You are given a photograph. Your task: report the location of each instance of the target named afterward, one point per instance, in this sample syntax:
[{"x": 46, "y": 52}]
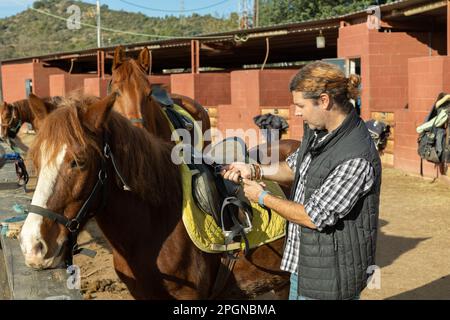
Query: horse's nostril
[{"x": 39, "y": 248}]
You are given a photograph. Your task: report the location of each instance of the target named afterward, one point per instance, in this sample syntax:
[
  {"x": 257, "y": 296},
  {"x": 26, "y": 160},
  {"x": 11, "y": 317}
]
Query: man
[{"x": 336, "y": 173}]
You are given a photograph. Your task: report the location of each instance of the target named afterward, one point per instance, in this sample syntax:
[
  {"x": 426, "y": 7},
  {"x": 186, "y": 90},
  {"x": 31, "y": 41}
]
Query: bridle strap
[
  {"x": 48, "y": 214},
  {"x": 74, "y": 224},
  {"x": 109, "y": 155},
  {"x": 137, "y": 120},
  {"x": 15, "y": 115}
]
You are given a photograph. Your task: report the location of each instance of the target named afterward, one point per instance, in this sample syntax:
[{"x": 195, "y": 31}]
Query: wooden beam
[
  {"x": 5, "y": 293},
  {"x": 195, "y": 56},
  {"x": 100, "y": 64}
]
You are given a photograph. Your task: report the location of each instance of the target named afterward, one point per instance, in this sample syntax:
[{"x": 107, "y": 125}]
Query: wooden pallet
[{"x": 17, "y": 281}]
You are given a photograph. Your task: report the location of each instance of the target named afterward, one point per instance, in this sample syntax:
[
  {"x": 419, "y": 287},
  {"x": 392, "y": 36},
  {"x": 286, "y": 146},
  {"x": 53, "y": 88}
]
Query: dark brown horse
[
  {"x": 14, "y": 115},
  {"x": 153, "y": 254},
  {"x": 135, "y": 101}
]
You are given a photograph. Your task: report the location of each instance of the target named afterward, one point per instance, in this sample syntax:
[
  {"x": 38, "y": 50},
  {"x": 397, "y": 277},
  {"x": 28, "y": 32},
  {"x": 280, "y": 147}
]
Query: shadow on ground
[
  {"x": 436, "y": 290},
  {"x": 389, "y": 247}
]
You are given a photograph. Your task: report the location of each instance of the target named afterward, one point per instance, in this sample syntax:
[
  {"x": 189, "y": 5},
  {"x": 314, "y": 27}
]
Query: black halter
[
  {"x": 74, "y": 225},
  {"x": 12, "y": 131}
]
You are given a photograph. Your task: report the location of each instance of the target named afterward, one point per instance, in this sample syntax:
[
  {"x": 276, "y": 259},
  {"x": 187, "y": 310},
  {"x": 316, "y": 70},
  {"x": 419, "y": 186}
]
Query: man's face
[{"x": 313, "y": 115}]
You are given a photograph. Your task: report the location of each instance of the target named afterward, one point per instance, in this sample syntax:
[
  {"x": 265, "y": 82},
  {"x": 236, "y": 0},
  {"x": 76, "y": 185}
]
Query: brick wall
[
  {"x": 183, "y": 84},
  {"x": 163, "y": 80},
  {"x": 384, "y": 64},
  {"x": 41, "y": 79},
  {"x": 209, "y": 89},
  {"x": 212, "y": 89},
  {"x": 13, "y": 79},
  {"x": 274, "y": 87},
  {"x": 401, "y": 73},
  {"x": 254, "y": 92},
  {"x": 427, "y": 77},
  {"x": 64, "y": 84}
]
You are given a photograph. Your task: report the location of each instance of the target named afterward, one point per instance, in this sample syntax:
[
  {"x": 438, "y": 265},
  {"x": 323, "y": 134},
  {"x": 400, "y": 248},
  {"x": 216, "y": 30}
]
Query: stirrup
[
  {"x": 230, "y": 234},
  {"x": 237, "y": 228}
]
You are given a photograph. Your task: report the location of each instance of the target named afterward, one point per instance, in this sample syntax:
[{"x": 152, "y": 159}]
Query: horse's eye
[{"x": 77, "y": 164}]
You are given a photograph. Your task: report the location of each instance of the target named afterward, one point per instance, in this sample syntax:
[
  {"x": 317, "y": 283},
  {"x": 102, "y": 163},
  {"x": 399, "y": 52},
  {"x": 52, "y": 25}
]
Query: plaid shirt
[{"x": 332, "y": 201}]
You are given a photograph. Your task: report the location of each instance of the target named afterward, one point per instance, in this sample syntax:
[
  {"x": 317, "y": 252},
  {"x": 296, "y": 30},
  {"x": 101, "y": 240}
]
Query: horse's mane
[
  {"x": 143, "y": 160},
  {"x": 23, "y": 107}
]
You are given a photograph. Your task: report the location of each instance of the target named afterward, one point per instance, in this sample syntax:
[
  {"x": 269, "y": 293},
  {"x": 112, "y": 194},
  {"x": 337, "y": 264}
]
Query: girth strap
[{"x": 226, "y": 266}]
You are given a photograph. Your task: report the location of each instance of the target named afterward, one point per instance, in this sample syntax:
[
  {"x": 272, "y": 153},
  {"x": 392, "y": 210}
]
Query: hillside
[{"x": 32, "y": 33}]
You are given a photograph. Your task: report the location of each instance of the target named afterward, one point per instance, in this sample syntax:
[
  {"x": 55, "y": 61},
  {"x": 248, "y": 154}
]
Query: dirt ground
[{"x": 413, "y": 251}]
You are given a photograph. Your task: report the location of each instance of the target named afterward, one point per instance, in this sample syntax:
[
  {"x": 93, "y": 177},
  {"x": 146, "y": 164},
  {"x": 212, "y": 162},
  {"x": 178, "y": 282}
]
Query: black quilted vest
[{"x": 333, "y": 263}]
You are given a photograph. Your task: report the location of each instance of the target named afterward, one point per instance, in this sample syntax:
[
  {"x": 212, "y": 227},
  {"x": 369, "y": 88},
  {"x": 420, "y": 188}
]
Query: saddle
[
  {"x": 223, "y": 199},
  {"x": 433, "y": 143},
  {"x": 163, "y": 98},
  {"x": 380, "y": 132},
  {"x": 212, "y": 194}
]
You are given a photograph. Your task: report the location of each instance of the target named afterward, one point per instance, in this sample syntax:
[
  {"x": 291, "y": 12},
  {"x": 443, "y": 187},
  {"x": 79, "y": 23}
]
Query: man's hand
[
  {"x": 253, "y": 189},
  {"x": 235, "y": 171}
]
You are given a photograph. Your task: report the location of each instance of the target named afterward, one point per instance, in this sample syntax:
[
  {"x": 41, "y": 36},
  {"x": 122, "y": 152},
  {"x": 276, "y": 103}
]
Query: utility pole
[
  {"x": 256, "y": 13},
  {"x": 99, "y": 31},
  {"x": 243, "y": 15},
  {"x": 182, "y": 11}
]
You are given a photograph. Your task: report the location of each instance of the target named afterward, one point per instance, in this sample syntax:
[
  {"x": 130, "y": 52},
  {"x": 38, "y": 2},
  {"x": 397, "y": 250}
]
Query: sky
[{"x": 161, "y": 7}]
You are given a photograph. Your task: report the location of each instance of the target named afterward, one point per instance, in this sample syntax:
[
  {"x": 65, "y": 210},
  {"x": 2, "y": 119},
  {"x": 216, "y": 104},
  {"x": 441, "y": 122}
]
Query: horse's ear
[
  {"x": 119, "y": 57},
  {"x": 145, "y": 60},
  {"x": 39, "y": 108},
  {"x": 98, "y": 113}
]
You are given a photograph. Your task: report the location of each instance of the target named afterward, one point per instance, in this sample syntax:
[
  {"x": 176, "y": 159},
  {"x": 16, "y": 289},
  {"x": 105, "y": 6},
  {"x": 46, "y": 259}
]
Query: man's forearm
[
  {"x": 278, "y": 172},
  {"x": 289, "y": 210}
]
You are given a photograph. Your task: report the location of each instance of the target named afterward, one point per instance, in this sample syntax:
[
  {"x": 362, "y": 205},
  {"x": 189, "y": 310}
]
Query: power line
[{"x": 173, "y": 11}]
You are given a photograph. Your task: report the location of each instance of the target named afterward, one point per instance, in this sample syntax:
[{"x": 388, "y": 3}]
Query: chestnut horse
[
  {"x": 134, "y": 95},
  {"x": 13, "y": 115},
  {"x": 84, "y": 154}
]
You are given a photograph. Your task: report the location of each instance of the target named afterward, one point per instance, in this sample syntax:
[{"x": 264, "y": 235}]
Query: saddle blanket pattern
[{"x": 208, "y": 236}]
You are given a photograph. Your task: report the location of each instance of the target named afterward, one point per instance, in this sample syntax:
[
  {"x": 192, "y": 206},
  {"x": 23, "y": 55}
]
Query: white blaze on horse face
[{"x": 33, "y": 246}]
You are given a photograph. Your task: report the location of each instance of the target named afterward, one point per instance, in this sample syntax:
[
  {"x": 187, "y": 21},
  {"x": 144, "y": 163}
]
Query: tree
[{"x": 274, "y": 12}]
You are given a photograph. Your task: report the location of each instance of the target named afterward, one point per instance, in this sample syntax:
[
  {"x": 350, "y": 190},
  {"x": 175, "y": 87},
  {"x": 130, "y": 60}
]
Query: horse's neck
[
  {"x": 155, "y": 121},
  {"x": 24, "y": 111},
  {"x": 139, "y": 231}
]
